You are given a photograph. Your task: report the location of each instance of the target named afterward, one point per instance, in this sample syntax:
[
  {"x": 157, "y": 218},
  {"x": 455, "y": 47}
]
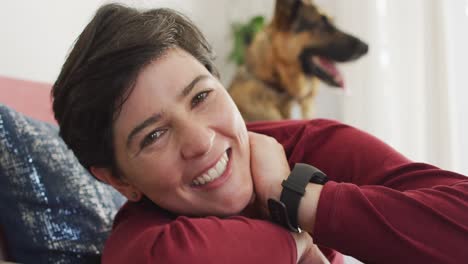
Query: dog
[{"x": 285, "y": 61}]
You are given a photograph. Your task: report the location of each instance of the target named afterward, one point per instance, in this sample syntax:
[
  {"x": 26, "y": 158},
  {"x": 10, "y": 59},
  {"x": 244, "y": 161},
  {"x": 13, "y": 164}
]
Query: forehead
[
  {"x": 159, "y": 83},
  {"x": 166, "y": 75}
]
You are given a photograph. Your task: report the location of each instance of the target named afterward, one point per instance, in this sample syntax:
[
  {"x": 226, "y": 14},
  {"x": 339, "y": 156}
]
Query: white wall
[{"x": 36, "y": 35}]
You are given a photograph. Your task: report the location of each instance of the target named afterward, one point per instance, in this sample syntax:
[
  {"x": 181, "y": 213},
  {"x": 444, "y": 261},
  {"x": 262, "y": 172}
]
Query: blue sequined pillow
[{"x": 51, "y": 209}]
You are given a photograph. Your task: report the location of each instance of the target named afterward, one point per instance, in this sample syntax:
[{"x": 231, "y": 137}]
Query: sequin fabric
[{"x": 51, "y": 209}]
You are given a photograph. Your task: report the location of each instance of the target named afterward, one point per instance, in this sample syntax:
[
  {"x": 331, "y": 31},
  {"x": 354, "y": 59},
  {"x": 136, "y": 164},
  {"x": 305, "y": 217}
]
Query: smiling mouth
[{"x": 214, "y": 172}]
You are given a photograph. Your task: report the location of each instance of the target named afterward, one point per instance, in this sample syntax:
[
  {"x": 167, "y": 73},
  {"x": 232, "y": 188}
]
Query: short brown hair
[{"x": 102, "y": 67}]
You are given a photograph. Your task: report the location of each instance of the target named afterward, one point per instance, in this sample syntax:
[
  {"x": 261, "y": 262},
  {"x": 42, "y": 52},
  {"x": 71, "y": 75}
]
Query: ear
[
  {"x": 121, "y": 185},
  {"x": 284, "y": 9}
]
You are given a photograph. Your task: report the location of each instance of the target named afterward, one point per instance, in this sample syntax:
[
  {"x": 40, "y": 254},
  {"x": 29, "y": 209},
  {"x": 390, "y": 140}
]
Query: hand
[
  {"x": 307, "y": 251},
  {"x": 269, "y": 167}
]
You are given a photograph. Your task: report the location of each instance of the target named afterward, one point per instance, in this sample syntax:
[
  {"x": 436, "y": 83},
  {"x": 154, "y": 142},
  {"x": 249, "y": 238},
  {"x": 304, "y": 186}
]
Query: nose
[
  {"x": 361, "y": 47},
  {"x": 352, "y": 50},
  {"x": 196, "y": 140}
]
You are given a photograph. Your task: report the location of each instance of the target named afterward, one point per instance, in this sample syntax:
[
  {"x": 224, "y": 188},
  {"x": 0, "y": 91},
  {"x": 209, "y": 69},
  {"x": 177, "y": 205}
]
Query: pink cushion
[{"x": 28, "y": 97}]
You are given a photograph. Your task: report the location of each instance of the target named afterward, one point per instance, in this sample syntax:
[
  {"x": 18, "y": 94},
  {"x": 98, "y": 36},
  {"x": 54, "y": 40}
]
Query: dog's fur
[{"x": 286, "y": 60}]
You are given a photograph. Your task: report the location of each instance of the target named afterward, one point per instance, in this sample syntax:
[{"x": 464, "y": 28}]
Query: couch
[{"x": 51, "y": 209}]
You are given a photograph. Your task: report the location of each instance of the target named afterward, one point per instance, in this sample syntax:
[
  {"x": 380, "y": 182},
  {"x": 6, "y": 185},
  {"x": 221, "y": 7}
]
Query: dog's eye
[
  {"x": 325, "y": 20},
  {"x": 326, "y": 24}
]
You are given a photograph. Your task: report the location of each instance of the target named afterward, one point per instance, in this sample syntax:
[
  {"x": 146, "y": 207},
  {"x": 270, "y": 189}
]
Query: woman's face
[{"x": 181, "y": 141}]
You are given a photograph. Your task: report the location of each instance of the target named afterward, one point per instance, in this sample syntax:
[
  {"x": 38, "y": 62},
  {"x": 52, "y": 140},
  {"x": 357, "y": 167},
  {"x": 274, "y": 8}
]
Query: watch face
[
  {"x": 319, "y": 178},
  {"x": 279, "y": 215}
]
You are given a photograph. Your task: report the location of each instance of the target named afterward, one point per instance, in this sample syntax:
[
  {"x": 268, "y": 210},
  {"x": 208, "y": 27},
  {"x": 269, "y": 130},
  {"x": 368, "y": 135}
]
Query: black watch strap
[
  {"x": 293, "y": 190},
  {"x": 285, "y": 211}
]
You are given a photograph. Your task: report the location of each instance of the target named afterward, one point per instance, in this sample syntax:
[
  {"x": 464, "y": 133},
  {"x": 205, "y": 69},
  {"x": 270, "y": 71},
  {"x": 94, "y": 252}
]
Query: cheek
[
  {"x": 155, "y": 173},
  {"x": 231, "y": 119}
]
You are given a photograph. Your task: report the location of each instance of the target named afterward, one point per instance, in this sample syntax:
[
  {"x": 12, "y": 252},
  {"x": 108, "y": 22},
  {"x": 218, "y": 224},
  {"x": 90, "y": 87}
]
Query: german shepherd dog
[{"x": 286, "y": 59}]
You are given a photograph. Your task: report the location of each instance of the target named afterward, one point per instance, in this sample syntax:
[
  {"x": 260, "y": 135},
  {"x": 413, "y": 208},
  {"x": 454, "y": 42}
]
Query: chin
[
  {"x": 238, "y": 202},
  {"x": 232, "y": 211}
]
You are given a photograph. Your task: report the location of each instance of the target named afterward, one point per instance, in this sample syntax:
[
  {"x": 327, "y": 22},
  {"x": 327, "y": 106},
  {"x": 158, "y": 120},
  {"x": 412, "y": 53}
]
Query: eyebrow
[
  {"x": 156, "y": 117},
  {"x": 191, "y": 85}
]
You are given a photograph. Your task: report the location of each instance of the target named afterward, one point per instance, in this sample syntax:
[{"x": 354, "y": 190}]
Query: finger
[{"x": 254, "y": 136}]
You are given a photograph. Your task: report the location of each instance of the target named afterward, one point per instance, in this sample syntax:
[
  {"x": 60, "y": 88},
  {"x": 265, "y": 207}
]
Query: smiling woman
[{"x": 140, "y": 104}]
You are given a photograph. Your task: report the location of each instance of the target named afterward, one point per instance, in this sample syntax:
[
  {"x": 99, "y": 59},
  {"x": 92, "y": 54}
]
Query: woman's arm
[
  {"x": 379, "y": 206},
  {"x": 142, "y": 234},
  {"x": 233, "y": 240}
]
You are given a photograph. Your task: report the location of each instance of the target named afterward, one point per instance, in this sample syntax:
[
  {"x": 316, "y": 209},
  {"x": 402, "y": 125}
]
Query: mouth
[
  {"x": 216, "y": 174},
  {"x": 320, "y": 62},
  {"x": 325, "y": 70}
]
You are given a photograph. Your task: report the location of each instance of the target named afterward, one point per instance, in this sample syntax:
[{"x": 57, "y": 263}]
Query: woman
[{"x": 140, "y": 103}]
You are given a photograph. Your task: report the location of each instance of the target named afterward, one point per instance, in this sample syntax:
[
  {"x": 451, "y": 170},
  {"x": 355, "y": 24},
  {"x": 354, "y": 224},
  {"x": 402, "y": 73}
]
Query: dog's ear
[{"x": 284, "y": 13}]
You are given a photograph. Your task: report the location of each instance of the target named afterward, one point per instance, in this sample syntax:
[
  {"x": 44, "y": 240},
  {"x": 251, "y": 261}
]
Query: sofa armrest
[{"x": 28, "y": 97}]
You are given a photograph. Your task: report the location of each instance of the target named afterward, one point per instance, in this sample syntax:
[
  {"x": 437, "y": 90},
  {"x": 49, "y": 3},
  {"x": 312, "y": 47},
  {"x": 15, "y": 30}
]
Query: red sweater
[{"x": 378, "y": 207}]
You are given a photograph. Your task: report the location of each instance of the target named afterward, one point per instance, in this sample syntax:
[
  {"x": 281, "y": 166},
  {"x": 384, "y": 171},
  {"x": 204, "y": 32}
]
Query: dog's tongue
[{"x": 331, "y": 69}]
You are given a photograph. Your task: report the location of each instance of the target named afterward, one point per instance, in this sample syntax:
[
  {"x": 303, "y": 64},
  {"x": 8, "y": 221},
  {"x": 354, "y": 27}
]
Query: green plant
[{"x": 243, "y": 34}]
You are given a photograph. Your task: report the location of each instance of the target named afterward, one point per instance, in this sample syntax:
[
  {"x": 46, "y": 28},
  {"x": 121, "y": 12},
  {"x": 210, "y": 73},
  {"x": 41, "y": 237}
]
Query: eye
[
  {"x": 152, "y": 137},
  {"x": 199, "y": 98}
]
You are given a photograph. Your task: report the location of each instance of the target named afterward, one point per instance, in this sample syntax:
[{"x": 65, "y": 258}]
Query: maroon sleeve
[
  {"x": 212, "y": 240},
  {"x": 379, "y": 206},
  {"x": 142, "y": 234}
]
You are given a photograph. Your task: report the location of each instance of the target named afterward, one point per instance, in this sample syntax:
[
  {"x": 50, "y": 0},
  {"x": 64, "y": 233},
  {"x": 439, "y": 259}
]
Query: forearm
[
  {"x": 382, "y": 225},
  {"x": 308, "y": 207},
  {"x": 236, "y": 240},
  {"x": 202, "y": 240}
]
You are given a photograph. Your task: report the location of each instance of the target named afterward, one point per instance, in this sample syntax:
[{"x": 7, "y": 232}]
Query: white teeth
[
  {"x": 219, "y": 166},
  {"x": 214, "y": 172},
  {"x": 208, "y": 178},
  {"x": 201, "y": 181},
  {"x": 211, "y": 174}
]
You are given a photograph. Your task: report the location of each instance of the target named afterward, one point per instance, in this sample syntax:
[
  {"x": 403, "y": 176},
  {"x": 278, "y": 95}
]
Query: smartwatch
[{"x": 284, "y": 212}]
